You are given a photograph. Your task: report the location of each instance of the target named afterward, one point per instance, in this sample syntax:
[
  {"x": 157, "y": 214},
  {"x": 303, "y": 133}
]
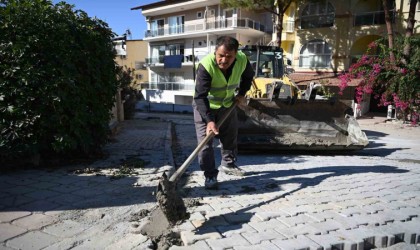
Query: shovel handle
[{"x": 175, "y": 177}]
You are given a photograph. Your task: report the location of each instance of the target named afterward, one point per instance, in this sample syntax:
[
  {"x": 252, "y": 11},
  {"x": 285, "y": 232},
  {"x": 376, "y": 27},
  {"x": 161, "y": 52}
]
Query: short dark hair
[{"x": 230, "y": 43}]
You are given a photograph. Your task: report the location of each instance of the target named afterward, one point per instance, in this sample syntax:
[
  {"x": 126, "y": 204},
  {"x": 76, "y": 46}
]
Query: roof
[
  {"x": 158, "y": 4},
  {"x": 330, "y": 79}
]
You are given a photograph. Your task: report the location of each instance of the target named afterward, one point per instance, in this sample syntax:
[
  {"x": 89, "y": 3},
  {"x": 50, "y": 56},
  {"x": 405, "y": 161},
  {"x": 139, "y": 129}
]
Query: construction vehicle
[{"x": 281, "y": 116}]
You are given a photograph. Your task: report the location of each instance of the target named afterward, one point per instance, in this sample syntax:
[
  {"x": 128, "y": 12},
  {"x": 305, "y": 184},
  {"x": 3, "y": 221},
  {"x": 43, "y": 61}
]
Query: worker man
[{"x": 219, "y": 76}]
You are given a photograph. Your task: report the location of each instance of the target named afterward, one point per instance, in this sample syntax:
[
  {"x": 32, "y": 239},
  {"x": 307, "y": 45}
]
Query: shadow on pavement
[
  {"x": 69, "y": 191},
  {"x": 265, "y": 181},
  {"x": 376, "y": 148}
]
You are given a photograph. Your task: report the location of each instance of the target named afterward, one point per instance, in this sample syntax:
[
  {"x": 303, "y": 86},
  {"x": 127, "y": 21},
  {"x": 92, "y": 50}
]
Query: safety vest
[{"x": 221, "y": 92}]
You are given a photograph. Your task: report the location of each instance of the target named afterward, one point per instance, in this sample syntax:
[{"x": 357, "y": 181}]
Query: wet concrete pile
[{"x": 170, "y": 202}]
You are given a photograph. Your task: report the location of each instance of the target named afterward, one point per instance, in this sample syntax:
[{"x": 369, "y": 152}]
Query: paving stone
[
  {"x": 216, "y": 221},
  {"x": 66, "y": 228},
  {"x": 234, "y": 241},
  {"x": 4, "y": 247},
  {"x": 35, "y": 221},
  {"x": 8, "y": 231},
  {"x": 301, "y": 229},
  {"x": 199, "y": 245},
  {"x": 364, "y": 236},
  {"x": 265, "y": 225},
  {"x": 18, "y": 190},
  {"x": 299, "y": 243},
  {"x": 190, "y": 237},
  {"x": 32, "y": 240},
  {"x": 265, "y": 216},
  {"x": 263, "y": 246},
  {"x": 322, "y": 216},
  {"x": 8, "y": 216},
  {"x": 295, "y": 220},
  {"x": 197, "y": 216},
  {"x": 259, "y": 237},
  {"x": 39, "y": 205},
  {"x": 402, "y": 231},
  {"x": 240, "y": 218},
  {"x": 67, "y": 199},
  {"x": 15, "y": 201},
  {"x": 185, "y": 226},
  {"x": 346, "y": 222},
  {"x": 225, "y": 204},
  {"x": 346, "y": 204},
  {"x": 327, "y": 226},
  {"x": 409, "y": 212},
  {"x": 228, "y": 231},
  {"x": 100, "y": 240},
  {"x": 334, "y": 241}
]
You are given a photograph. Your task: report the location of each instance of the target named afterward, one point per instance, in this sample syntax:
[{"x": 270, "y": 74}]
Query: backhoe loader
[{"x": 280, "y": 116}]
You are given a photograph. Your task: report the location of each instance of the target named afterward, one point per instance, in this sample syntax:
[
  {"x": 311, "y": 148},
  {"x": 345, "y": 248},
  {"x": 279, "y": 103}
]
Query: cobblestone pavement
[
  {"x": 89, "y": 206},
  {"x": 356, "y": 201},
  {"x": 368, "y": 199}
]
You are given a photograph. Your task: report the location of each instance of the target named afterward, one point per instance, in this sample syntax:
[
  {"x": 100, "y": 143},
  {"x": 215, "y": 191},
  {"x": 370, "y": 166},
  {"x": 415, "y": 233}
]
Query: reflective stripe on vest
[{"x": 222, "y": 92}]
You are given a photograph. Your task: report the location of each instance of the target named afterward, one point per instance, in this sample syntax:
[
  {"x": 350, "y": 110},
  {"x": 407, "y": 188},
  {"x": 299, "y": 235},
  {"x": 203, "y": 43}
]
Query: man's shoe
[
  {"x": 211, "y": 183},
  {"x": 232, "y": 170}
]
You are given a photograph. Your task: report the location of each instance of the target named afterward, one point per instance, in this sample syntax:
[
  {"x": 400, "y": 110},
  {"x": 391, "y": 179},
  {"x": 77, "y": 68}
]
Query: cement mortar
[
  {"x": 170, "y": 202},
  {"x": 158, "y": 229}
]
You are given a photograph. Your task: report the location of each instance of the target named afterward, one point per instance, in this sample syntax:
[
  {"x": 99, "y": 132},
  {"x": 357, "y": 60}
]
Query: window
[
  {"x": 139, "y": 76},
  {"x": 317, "y": 15},
  {"x": 158, "y": 52},
  {"x": 176, "y": 49},
  {"x": 177, "y": 80},
  {"x": 176, "y": 24},
  {"x": 211, "y": 13},
  {"x": 315, "y": 54},
  {"x": 199, "y": 15},
  {"x": 156, "y": 27}
]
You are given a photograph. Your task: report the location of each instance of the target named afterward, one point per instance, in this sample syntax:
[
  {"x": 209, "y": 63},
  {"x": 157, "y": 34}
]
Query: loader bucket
[{"x": 316, "y": 125}]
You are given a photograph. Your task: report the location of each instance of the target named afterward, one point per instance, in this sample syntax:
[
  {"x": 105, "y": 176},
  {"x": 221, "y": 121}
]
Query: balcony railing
[
  {"x": 161, "y": 59},
  {"x": 289, "y": 26},
  {"x": 371, "y": 18},
  {"x": 168, "y": 85},
  {"x": 317, "y": 21},
  {"x": 210, "y": 25},
  {"x": 154, "y": 60}
]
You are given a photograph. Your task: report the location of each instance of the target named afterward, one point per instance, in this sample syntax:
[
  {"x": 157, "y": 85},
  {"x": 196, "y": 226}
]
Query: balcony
[
  {"x": 289, "y": 26},
  {"x": 166, "y": 85},
  {"x": 207, "y": 26},
  {"x": 371, "y": 18},
  {"x": 160, "y": 60}
]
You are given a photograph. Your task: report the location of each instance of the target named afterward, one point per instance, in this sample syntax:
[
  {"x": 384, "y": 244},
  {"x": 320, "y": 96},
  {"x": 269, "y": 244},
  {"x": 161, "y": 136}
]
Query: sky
[{"x": 117, "y": 13}]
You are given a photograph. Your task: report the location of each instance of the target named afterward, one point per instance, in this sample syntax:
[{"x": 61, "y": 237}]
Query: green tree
[
  {"x": 275, "y": 7},
  {"x": 57, "y": 80},
  {"x": 125, "y": 77}
]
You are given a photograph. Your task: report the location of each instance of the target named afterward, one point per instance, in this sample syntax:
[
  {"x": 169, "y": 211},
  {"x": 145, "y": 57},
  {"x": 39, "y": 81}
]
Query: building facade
[
  {"x": 320, "y": 39},
  {"x": 132, "y": 54}
]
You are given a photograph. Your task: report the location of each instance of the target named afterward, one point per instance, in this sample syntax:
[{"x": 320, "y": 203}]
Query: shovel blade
[{"x": 170, "y": 202}]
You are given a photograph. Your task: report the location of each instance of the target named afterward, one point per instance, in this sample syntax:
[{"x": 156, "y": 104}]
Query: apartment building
[
  {"x": 321, "y": 39},
  {"x": 180, "y": 33},
  {"x": 132, "y": 54}
]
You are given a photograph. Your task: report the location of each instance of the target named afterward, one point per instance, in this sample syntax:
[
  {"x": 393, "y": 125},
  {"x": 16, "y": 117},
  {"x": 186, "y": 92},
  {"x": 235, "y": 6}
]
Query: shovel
[{"x": 169, "y": 201}]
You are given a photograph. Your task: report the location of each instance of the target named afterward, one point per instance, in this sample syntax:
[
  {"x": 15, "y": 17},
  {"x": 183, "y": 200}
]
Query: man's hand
[
  {"x": 240, "y": 100},
  {"x": 211, "y": 126}
]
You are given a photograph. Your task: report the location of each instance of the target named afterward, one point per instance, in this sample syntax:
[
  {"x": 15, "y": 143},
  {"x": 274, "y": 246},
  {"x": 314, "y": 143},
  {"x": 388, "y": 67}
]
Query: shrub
[
  {"x": 57, "y": 81},
  {"x": 393, "y": 83}
]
